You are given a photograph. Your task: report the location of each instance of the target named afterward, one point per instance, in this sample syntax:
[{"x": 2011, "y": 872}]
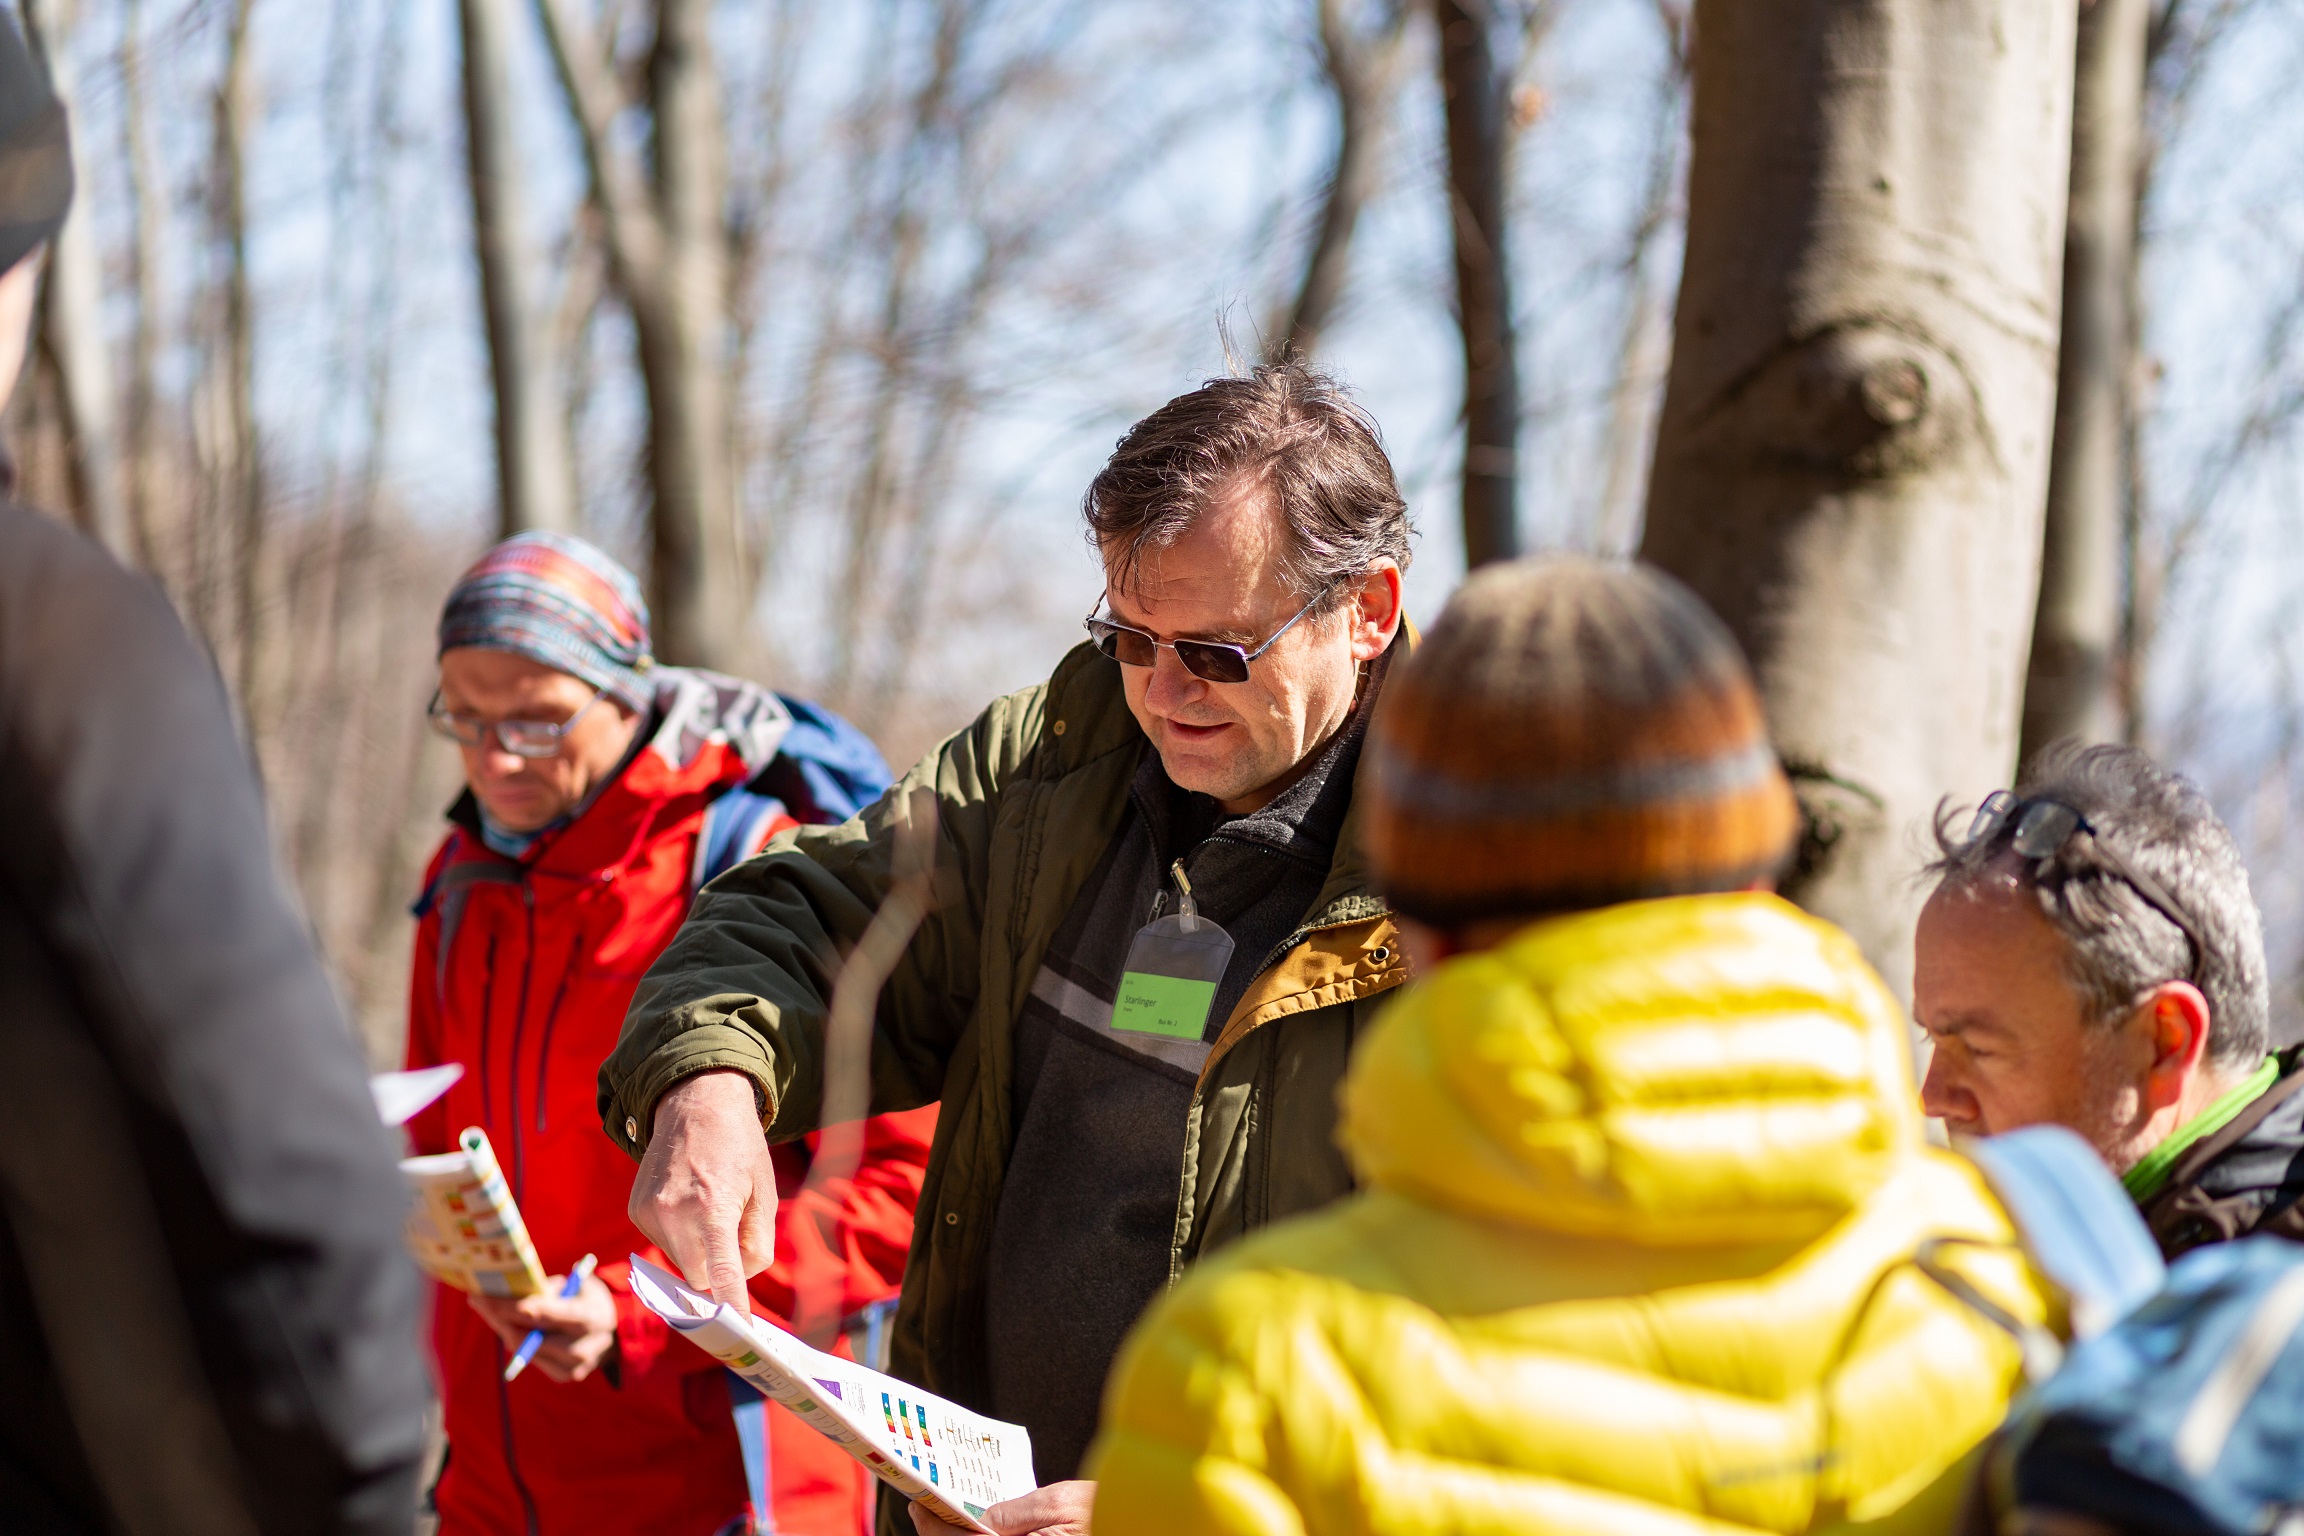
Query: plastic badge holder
[{"x": 1172, "y": 973}]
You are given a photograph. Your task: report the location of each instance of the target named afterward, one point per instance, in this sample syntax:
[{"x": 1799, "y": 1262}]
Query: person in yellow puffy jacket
[{"x": 1646, "y": 1221}]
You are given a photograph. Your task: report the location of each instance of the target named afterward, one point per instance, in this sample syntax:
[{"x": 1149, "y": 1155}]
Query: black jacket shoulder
[{"x": 177, "y": 1083}]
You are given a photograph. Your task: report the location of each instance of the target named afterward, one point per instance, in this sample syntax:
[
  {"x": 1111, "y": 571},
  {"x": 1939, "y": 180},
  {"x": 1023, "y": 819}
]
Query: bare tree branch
[
  {"x": 1362, "y": 74},
  {"x": 1477, "y": 158},
  {"x": 635, "y": 236},
  {"x": 535, "y": 475}
]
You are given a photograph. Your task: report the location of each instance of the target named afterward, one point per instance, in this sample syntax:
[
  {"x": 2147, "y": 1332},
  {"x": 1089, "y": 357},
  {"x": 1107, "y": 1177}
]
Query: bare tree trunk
[
  {"x": 1853, "y": 451},
  {"x": 148, "y": 207},
  {"x": 244, "y": 473},
  {"x": 535, "y": 472},
  {"x": 72, "y": 317},
  {"x": 2069, "y": 688},
  {"x": 668, "y": 250},
  {"x": 1643, "y": 345},
  {"x": 689, "y": 443},
  {"x": 1361, "y": 75},
  {"x": 1476, "y": 152}
]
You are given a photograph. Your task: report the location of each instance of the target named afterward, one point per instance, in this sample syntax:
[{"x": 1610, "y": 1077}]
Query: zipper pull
[{"x": 1186, "y": 909}]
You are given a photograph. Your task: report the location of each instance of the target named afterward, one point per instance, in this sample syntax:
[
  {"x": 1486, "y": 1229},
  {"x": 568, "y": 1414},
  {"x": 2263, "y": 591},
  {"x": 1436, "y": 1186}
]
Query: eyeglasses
[
  {"x": 1211, "y": 661},
  {"x": 533, "y": 739},
  {"x": 2043, "y": 827}
]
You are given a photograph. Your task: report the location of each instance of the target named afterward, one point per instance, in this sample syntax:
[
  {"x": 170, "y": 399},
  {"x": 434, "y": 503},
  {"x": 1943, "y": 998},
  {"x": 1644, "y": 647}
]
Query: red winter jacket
[{"x": 542, "y": 954}]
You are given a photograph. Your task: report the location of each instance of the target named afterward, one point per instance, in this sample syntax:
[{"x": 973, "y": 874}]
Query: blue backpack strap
[
  {"x": 750, "y": 1411},
  {"x": 732, "y": 830},
  {"x": 826, "y": 770}
]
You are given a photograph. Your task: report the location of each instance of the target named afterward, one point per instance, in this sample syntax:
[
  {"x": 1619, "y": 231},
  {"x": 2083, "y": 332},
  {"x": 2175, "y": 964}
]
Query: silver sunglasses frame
[{"x": 1247, "y": 656}]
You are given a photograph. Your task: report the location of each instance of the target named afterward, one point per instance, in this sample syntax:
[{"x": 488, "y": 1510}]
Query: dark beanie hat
[
  {"x": 1572, "y": 734},
  {"x": 35, "y": 150}
]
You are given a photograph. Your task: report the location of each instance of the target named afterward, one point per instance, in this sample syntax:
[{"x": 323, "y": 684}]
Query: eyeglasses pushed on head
[{"x": 2041, "y": 828}]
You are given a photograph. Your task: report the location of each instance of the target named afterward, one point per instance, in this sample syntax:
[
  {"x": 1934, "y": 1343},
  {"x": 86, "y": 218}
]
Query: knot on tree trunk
[
  {"x": 1862, "y": 401},
  {"x": 1833, "y": 811}
]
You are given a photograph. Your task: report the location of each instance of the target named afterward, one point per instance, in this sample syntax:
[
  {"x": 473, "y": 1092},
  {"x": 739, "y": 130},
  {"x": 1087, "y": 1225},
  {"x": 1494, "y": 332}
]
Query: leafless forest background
[{"x": 823, "y": 314}]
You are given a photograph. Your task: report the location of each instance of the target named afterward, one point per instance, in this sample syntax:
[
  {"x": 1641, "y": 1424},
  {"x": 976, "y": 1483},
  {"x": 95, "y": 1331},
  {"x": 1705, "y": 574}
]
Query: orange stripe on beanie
[{"x": 1572, "y": 734}]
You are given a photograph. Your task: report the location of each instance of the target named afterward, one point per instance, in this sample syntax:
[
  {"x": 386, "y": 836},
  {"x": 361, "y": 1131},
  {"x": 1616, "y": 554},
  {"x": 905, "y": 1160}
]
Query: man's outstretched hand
[
  {"x": 706, "y": 1190},
  {"x": 1060, "y": 1509}
]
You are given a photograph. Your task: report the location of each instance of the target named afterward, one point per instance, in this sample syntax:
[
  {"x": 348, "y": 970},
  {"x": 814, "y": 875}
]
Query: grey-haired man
[{"x": 2092, "y": 958}]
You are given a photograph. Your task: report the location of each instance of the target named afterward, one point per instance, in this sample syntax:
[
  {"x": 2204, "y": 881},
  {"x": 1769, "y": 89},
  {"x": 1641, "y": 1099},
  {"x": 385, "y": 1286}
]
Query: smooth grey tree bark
[
  {"x": 535, "y": 472},
  {"x": 2069, "y": 687},
  {"x": 667, "y": 242},
  {"x": 71, "y": 318},
  {"x": 1477, "y": 127},
  {"x": 1853, "y": 451},
  {"x": 1362, "y": 73}
]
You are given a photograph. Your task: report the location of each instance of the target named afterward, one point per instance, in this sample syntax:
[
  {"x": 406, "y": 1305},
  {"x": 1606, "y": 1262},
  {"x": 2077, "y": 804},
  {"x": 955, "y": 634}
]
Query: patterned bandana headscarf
[{"x": 561, "y": 603}]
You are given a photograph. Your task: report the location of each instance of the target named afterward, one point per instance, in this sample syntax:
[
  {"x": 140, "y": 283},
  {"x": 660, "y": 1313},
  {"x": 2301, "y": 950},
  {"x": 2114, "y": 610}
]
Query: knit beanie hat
[
  {"x": 559, "y": 602},
  {"x": 35, "y": 151},
  {"x": 1570, "y": 735}
]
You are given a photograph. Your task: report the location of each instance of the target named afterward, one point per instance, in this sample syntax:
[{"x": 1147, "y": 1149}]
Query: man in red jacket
[{"x": 601, "y": 791}]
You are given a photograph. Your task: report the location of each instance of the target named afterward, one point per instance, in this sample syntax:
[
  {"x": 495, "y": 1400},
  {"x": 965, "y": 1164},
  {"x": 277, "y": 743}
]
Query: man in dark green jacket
[{"x": 1205, "y": 744}]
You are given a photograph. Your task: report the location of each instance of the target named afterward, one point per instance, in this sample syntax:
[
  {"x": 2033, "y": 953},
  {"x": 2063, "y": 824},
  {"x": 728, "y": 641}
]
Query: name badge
[{"x": 1173, "y": 969}]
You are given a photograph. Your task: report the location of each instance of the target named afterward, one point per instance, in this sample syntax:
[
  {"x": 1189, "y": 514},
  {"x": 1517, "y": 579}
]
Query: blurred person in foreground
[
  {"x": 205, "y": 1310},
  {"x": 1644, "y": 1178},
  {"x": 600, "y": 791},
  {"x": 2092, "y": 958},
  {"x": 1207, "y": 737}
]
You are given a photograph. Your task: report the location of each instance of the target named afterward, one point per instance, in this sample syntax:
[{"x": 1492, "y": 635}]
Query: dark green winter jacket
[{"x": 1028, "y": 797}]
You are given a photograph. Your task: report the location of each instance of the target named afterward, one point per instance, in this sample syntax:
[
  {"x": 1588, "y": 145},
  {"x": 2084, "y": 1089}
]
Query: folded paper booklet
[
  {"x": 956, "y": 1462},
  {"x": 464, "y": 1229}
]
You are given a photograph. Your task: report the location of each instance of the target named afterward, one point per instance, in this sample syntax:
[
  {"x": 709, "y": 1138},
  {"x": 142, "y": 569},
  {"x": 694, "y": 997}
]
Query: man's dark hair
[
  {"x": 1284, "y": 426},
  {"x": 2120, "y": 946}
]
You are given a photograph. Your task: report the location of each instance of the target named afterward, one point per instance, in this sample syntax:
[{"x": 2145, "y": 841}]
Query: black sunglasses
[
  {"x": 1211, "y": 661},
  {"x": 2043, "y": 827}
]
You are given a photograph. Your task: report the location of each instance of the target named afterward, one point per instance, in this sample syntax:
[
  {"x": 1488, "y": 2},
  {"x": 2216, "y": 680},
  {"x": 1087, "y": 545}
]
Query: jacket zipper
[
  {"x": 551, "y": 1024},
  {"x": 519, "y": 1033},
  {"x": 511, "y": 1458},
  {"x": 487, "y": 1023}
]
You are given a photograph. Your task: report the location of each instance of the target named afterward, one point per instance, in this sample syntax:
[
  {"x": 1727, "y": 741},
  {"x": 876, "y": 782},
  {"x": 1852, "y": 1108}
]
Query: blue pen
[{"x": 535, "y": 1339}]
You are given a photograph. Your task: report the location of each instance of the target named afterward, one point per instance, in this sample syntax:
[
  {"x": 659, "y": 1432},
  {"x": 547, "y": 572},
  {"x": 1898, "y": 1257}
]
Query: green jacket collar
[{"x": 2150, "y": 1175}]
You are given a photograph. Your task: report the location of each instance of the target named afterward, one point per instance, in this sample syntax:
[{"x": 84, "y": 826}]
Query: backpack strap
[
  {"x": 825, "y": 769},
  {"x": 2075, "y": 1220},
  {"x": 450, "y": 890},
  {"x": 2184, "y": 1215},
  {"x": 735, "y": 827},
  {"x": 750, "y": 1411}
]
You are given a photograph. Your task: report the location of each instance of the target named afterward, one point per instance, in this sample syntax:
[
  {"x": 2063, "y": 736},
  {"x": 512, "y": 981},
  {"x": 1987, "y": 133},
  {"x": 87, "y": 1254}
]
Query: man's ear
[
  {"x": 1378, "y": 606},
  {"x": 2177, "y": 1014}
]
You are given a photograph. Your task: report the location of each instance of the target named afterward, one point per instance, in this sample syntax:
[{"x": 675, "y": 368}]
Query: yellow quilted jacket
[{"x": 1643, "y": 1191}]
